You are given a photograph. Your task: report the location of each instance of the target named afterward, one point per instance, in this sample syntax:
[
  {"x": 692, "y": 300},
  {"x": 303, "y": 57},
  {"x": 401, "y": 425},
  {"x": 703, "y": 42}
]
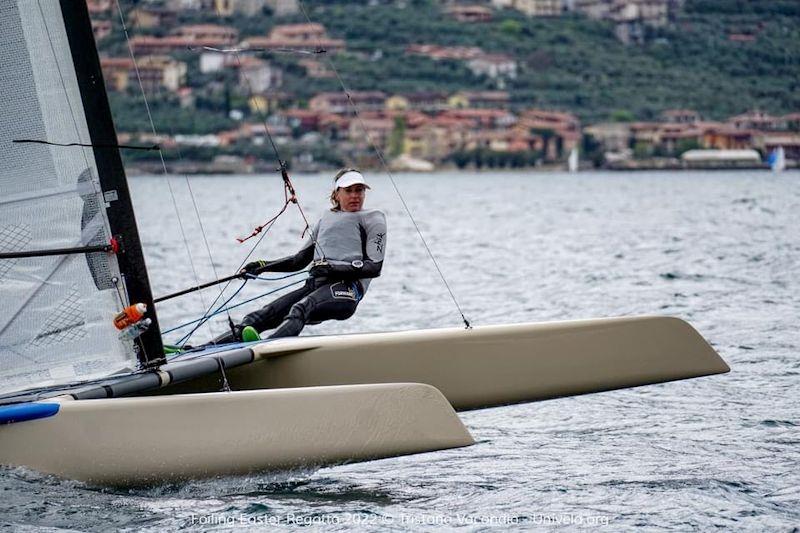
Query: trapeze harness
[{"x": 353, "y": 244}]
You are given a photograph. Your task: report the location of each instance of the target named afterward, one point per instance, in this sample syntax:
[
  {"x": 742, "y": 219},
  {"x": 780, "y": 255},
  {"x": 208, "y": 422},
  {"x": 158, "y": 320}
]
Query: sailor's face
[{"x": 351, "y": 198}]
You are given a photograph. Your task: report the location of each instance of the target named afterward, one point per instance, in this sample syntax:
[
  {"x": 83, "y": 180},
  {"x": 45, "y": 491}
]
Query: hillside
[
  {"x": 577, "y": 64},
  {"x": 700, "y": 61}
]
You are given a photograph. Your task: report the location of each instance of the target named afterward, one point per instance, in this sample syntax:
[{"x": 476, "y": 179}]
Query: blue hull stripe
[{"x": 27, "y": 411}]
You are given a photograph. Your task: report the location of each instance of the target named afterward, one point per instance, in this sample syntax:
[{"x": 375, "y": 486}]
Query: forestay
[{"x": 55, "y": 311}]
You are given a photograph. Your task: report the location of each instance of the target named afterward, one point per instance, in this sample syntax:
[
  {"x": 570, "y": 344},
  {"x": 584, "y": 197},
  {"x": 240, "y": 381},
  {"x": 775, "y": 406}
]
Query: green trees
[{"x": 570, "y": 63}]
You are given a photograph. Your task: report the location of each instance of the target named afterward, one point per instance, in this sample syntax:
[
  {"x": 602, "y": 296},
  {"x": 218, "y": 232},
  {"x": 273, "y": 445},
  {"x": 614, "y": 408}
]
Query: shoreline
[{"x": 194, "y": 168}]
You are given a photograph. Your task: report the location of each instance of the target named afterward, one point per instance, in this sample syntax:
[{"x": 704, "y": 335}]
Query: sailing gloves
[
  {"x": 322, "y": 269},
  {"x": 255, "y": 267}
]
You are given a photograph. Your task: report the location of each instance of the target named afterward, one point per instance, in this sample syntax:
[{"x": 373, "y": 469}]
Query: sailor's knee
[
  {"x": 298, "y": 310},
  {"x": 351, "y": 310}
]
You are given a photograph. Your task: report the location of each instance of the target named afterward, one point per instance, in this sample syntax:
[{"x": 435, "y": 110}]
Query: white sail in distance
[{"x": 572, "y": 161}]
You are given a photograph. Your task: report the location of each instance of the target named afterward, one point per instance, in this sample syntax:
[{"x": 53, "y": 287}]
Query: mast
[{"x": 110, "y": 170}]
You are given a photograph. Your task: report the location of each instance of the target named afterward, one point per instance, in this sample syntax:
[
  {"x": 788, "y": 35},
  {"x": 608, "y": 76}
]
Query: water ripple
[{"x": 720, "y": 249}]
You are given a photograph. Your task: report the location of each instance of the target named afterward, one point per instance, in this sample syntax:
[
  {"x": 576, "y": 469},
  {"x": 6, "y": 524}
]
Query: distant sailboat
[
  {"x": 572, "y": 161},
  {"x": 777, "y": 159}
]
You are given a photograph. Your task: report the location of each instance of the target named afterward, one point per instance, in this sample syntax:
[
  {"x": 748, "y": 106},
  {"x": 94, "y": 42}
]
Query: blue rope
[
  {"x": 206, "y": 316},
  {"x": 259, "y": 278},
  {"x": 221, "y": 310}
]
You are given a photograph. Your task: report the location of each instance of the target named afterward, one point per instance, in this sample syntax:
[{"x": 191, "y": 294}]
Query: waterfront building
[
  {"x": 469, "y": 13},
  {"x": 296, "y": 37},
  {"x": 338, "y": 102},
  {"x": 156, "y": 72}
]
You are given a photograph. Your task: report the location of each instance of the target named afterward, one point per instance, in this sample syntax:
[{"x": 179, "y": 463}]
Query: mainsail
[{"x": 56, "y": 311}]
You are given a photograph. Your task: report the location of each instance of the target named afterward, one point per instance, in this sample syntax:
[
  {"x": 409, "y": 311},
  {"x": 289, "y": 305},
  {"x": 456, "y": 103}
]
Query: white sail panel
[{"x": 55, "y": 312}]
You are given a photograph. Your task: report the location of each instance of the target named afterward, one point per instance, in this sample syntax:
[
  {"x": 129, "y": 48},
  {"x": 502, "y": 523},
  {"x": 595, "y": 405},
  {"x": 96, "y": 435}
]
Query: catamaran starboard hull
[
  {"x": 488, "y": 365},
  {"x": 140, "y": 441}
]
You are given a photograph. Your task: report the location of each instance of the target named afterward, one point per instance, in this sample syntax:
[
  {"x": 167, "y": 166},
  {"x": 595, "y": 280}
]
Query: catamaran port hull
[
  {"x": 140, "y": 441},
  {"x": 489, "y": 365}
]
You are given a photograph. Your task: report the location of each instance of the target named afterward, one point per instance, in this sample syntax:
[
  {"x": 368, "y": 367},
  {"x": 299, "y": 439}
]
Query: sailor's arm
[
  {"x": 357, "y": 269},
  {"x": 291, "y": 263}
]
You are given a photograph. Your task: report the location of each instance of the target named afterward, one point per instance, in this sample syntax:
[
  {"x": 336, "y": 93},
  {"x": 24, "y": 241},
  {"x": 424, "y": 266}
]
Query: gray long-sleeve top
[{"x": 341, "y": 237}]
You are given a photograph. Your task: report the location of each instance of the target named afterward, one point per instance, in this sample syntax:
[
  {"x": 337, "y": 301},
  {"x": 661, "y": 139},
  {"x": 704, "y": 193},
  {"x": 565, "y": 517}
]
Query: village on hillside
[{"x": 416, "y": 129}]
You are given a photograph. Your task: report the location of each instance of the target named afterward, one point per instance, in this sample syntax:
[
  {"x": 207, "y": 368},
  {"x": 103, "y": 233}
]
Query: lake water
[{"x": 719, "y": 249}]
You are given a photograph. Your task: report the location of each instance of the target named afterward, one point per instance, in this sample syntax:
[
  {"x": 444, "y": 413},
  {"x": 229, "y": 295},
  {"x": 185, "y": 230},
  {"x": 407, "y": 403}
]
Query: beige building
[
  {"x": 257, "y": 76},
  {"x": 479, "y": 99},
  {"x": 151, "y": 17},
  {"x": 98, "y": 6},
  {"x": 613, "y": 136},
  {"x": 208, "y": 32},
  {"x": 156, "y": 73},
  {"x": 296, "y": 37},
  {"x": 279, "y": 8},
  {"x": 191, "y": 36},
  {"x": 338, "y": 102},
  {"x": 533, "y": 8},
  {"x": 630, "y": 16},
  {"x": 493, "y": 66},
  {"x": 316, "y": 69},
  {"x": 680, "y": 116},
  {"x": 758, "y": 120},
  {"x": 471, "y": 13},
  {"x": 282, "y": 8}
]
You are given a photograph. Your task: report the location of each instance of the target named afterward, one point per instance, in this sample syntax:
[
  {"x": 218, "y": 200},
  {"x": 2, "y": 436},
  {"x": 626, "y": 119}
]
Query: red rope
[{"x": 290, "y": 197}]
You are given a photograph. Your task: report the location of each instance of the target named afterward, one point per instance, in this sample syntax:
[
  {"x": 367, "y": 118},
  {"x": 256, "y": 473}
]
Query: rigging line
[
  {"x": 282, "y": 164},
  {"x": 160, "y": 152},
  {"x": 287, "y": 183},
  {"x": 84, "y": 145},
  {"x": 389, "y": 173},
  {"x": 259, "y": 229},
  {"x": 206, "y": 317},
  {"x": 210, "y": 307},
  {"x": 243, "y": 302},
  {"x": 262, "y": 50},
  {"x": 223, "y": 280},
  {"x": 200, "y": 222}
]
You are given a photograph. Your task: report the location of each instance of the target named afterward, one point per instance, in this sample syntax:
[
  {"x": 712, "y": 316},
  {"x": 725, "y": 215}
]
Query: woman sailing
[{"x": 347, "y": 247}]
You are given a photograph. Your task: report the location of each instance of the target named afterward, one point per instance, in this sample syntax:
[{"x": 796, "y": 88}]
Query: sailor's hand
[
  {"x": 321, "y": 269},
  {"x": 255, "y": 267}
]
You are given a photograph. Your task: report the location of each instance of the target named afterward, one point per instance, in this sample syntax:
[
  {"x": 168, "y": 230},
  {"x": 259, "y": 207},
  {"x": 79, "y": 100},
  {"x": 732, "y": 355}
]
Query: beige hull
[
  {"x": 135, "y": 441},
  {"x": 488, "y": 365},
  {"x": 306, "y": 412}
]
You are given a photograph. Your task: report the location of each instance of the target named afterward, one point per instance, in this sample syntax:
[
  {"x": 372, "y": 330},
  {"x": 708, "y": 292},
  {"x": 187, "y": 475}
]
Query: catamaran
[{"x": 79, "y": 399}]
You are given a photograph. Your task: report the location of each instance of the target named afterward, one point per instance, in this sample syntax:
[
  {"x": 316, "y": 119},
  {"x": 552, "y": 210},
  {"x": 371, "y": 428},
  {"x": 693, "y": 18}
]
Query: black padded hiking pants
[{"x": 318, "y": 300}]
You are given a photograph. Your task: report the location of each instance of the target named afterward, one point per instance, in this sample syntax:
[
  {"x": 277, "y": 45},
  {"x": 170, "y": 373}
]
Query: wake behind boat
[{"x": 81, "y": 399}]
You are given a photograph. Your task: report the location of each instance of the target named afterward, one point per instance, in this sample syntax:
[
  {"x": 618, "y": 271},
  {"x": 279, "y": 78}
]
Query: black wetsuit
[{"x": 353, "y": 245}]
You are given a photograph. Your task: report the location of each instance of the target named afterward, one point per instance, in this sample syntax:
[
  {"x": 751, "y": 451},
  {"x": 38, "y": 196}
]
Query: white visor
[{"x": 351, "y": 177}]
